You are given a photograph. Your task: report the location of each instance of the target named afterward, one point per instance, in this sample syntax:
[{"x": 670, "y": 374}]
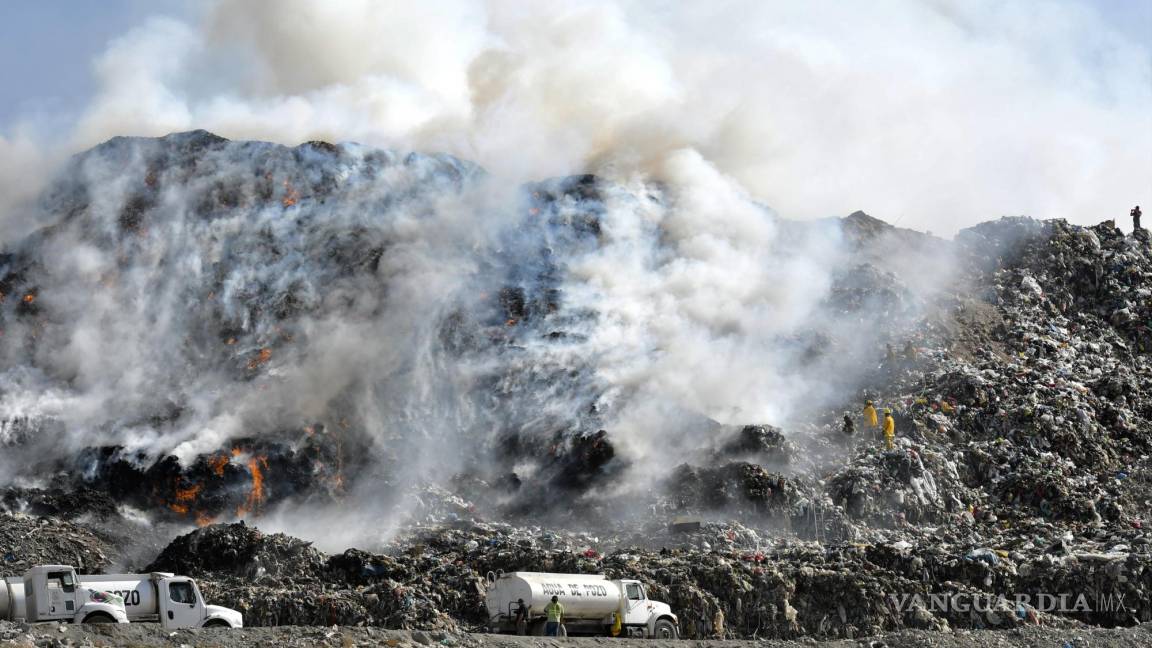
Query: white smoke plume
[
  {"x": 938, "y": 114},
  {"x": 703, "y": 300}
]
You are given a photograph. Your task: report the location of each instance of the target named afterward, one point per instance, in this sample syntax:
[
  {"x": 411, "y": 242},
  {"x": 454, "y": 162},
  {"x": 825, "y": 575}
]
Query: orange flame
[
  {"x": 184, "y": 498},
  {"x": 256, "y": 467},
  {"x": 290, "y": 195},
  {"x": 203, "y": 519},
  {"x": 29, "y": 298},
  {"x": 217, "y": 464},
  {"x": 337, "y": 482},
  {"x": 262, "y": 357}
]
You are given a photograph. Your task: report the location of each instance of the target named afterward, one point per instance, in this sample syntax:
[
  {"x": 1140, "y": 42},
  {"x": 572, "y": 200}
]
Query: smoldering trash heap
[{"x": 273, "y": 354}]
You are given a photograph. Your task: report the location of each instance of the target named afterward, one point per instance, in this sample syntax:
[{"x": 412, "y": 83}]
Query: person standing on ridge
[
  {"x": 555, "y": 613},
  {"x": 889, "y": 429},
  {"x": 870, "y": 415},
  {"x": 1135, "y": 214}
]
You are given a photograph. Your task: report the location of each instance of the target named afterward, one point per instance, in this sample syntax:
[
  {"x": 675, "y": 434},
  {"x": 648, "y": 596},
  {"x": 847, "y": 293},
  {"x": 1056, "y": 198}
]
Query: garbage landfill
[{"x": 1019, "y": 475}]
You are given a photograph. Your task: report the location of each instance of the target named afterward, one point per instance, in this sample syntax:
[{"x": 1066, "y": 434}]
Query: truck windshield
[
  {"x": 63, "y": 580},
  {"x": 181, "y": 593},
  {"x": 634, "y": 593}
]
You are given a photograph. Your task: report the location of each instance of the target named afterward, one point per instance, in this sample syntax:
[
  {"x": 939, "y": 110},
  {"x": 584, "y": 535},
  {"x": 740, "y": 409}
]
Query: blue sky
[{"x": 47, "y": 48}]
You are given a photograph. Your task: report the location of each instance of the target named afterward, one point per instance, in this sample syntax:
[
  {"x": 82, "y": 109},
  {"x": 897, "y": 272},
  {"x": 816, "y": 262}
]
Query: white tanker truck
[
  {"x": 591, "y": 604},
  {"x": 57, "y": 593}
]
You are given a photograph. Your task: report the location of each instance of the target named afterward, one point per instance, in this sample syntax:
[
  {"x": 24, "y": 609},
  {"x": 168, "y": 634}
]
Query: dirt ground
[{"x": 146, "y": 635}]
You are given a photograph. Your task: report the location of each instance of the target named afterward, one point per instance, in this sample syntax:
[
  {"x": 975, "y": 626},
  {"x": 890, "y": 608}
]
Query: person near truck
[
  {"x": 889, "y": 429},
  {"x": 555, "y": 613},
  {"x": 521, "y": 617}
]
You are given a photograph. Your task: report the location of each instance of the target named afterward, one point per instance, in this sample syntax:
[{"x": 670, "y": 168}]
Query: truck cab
[
  {"x": 182, "y": 606},
  {"x": 173, "y": 601},
  {"x": 54, "y": 593},
  {"x": 646, "y": 617}
]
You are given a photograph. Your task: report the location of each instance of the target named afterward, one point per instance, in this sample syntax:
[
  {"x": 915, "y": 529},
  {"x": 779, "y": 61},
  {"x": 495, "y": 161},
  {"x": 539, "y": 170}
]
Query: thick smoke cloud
[
  {"x": 939, "y": 114},
  {"x": 696, "y": 298}
]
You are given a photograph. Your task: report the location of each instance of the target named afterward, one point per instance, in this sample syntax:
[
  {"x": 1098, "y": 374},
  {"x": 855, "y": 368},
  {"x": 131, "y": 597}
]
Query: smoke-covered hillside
[
  {"x": 244, "y": 323},
  {"x": 658, "y": 380}
]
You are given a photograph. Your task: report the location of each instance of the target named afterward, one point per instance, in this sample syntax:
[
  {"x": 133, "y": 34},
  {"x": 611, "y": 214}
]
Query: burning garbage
[{"x": 344, "y": 348}]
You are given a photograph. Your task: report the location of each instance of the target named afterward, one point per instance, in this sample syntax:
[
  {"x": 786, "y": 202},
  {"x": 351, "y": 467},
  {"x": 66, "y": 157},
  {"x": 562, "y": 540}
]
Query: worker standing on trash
[
  {"x": 1135, "y": 214},
  {"x": 555, "y": 613},
  {"x": 870, "y": 415},
  {"x": 889, "y": 429}
]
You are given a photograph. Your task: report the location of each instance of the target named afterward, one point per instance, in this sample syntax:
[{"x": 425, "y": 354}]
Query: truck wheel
[
  {"x": 98, "y": 617},
  {"x": 217, "y": 623},
  {"x": 664, "y": 629}
]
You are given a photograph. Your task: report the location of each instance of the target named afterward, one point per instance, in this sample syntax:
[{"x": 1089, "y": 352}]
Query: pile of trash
[
  {"x": 240, "y": 550},
  {"x": 1019, "y": 391},
  {"x": 913, "y": 485},
  {"x": 274, "y": 579},
  {"x": 738, "y": 487},
  {"x": 27, "y": 541},
  {"x": 60, "y": 501},
  {"x": 748, "y": 584}
]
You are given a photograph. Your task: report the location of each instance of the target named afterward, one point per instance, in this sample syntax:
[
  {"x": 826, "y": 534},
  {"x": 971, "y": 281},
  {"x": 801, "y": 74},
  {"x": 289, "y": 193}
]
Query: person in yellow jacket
[
  {"x": 870, "y": 415},
  {"x": 555, "y": 612},
  {"x": 889, "y": 429}
]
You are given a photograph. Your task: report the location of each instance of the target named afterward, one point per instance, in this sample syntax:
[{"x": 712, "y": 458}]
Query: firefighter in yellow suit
[
  {"x": 889, "y": 429},
  {"x": 870, "y": 415}
]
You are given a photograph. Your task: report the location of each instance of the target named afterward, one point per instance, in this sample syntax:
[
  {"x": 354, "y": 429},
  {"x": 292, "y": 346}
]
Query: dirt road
[{"x": 146, "y": 635}]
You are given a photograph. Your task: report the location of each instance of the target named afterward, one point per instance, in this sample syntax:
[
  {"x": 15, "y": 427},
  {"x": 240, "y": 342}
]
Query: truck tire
[
  {"x": 664, "y": 629},
  {"x": 217, "y": 623},
  {"x": 98, "y": 617}
]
